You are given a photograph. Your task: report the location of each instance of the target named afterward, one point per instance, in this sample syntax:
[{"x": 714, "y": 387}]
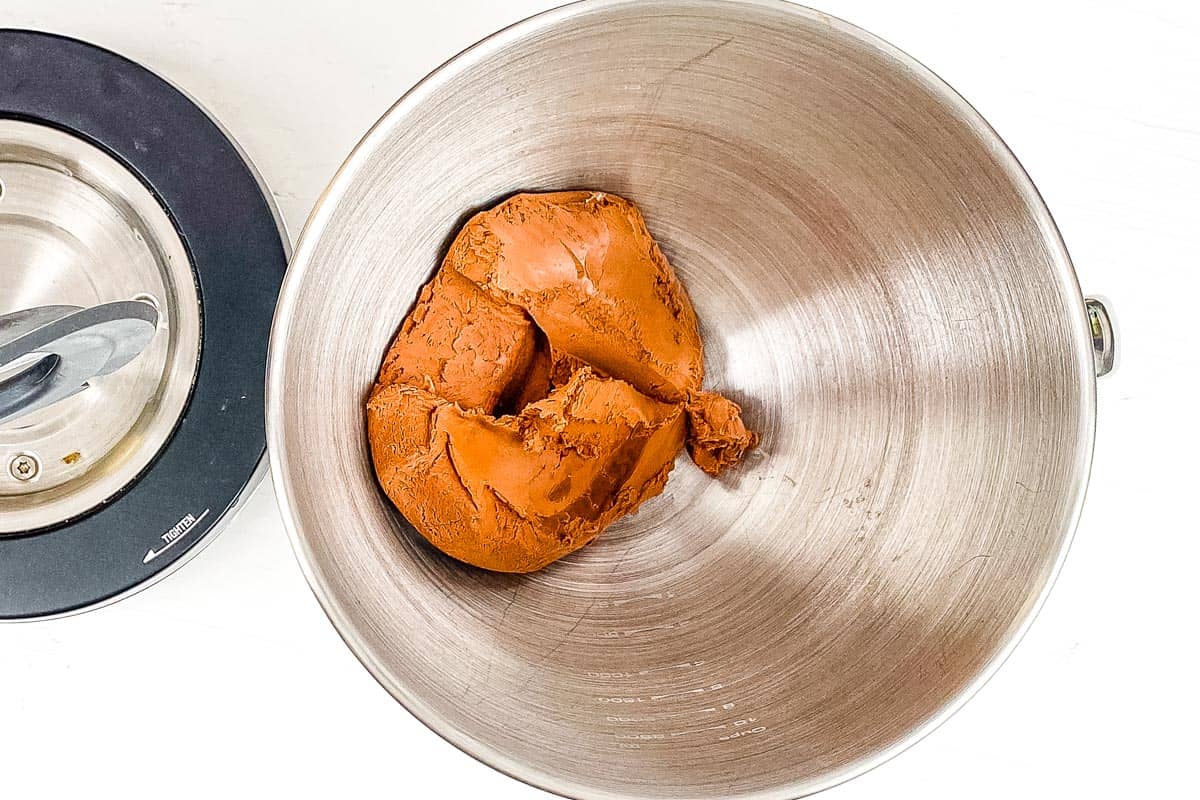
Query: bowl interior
[{"x": 879, "y": 287}]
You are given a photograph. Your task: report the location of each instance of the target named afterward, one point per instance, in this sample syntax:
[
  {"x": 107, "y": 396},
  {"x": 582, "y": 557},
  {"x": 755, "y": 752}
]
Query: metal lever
[
  {"x": 25, "y": 388},
  {"x": 54, "y": 351}
]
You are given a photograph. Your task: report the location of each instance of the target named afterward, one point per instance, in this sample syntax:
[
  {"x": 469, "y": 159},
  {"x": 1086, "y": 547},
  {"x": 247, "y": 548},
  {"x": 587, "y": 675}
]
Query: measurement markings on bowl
[
  {"x": 670, "y": 714},
  {"x": 722, "y": 730},
  {"x": 651, "y": 703},
  {"x": 699, "y": 690},
  {"x": 757, "y": 729},
  {"x": 631, "y": 710},
  {"x": 654, "y": 698},
  {"x": 725, "y": 726},
  {"x": 684, "y": 665},
  {"x": 625, "y": 634},
  {"x": 628, "y": 600},
  {"x": 727, "y": 721}
]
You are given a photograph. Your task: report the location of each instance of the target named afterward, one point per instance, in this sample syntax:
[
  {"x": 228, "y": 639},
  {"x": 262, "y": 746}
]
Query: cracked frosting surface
[{"x": 543, "y": 384}]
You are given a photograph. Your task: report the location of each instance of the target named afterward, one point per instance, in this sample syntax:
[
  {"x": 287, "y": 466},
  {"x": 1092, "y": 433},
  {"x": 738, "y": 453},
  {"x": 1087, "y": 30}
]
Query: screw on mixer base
[{"x": 24, "y": 467}]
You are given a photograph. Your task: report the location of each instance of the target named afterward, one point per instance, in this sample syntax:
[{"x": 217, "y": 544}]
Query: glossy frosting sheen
[{"x": 543, "y": 384}]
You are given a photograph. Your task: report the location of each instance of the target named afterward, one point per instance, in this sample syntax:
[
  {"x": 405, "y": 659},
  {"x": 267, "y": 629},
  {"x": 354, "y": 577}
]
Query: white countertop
[{"x": 227, "y": 680}]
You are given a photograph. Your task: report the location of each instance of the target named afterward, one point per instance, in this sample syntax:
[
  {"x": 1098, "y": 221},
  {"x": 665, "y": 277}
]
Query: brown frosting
[{"x": 543, "y": 384}]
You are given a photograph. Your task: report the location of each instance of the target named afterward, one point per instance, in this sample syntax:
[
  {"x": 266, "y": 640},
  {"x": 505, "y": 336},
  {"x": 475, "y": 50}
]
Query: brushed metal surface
[
  {"x": 77, "y": 228},
  {"x": 879, "y": 286}
]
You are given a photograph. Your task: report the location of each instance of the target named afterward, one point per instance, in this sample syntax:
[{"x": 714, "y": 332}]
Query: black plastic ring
[{"x": 239, "y": 255}]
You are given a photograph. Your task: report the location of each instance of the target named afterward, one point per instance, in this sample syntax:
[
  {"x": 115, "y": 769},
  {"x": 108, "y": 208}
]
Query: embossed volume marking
[
  {"x": 631, "y": 674},
  {"x": 701, "y": 690},
  {"x": 175, "y": 534}
]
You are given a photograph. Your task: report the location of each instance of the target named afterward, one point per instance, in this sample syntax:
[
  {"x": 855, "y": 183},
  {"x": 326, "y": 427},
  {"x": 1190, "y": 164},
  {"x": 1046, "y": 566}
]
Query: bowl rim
[{"x": 315, "y": 226}]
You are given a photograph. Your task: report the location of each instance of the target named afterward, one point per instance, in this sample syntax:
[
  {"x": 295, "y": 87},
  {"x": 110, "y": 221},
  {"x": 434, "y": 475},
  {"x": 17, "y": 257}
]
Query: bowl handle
[{"x": 1103, "y": 333}]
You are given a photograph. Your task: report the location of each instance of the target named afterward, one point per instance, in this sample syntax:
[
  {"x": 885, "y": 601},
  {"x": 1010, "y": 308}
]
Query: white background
[{"x": 227, "y": 680}]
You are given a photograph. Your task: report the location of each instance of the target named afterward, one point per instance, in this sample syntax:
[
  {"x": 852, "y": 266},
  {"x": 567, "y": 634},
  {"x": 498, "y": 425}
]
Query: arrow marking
[{"x": 175, "y": 535}]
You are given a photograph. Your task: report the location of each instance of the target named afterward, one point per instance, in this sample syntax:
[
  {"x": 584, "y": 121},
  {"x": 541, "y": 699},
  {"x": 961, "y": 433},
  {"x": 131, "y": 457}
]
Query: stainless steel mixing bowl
[{"x": 882, "y": 290}]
